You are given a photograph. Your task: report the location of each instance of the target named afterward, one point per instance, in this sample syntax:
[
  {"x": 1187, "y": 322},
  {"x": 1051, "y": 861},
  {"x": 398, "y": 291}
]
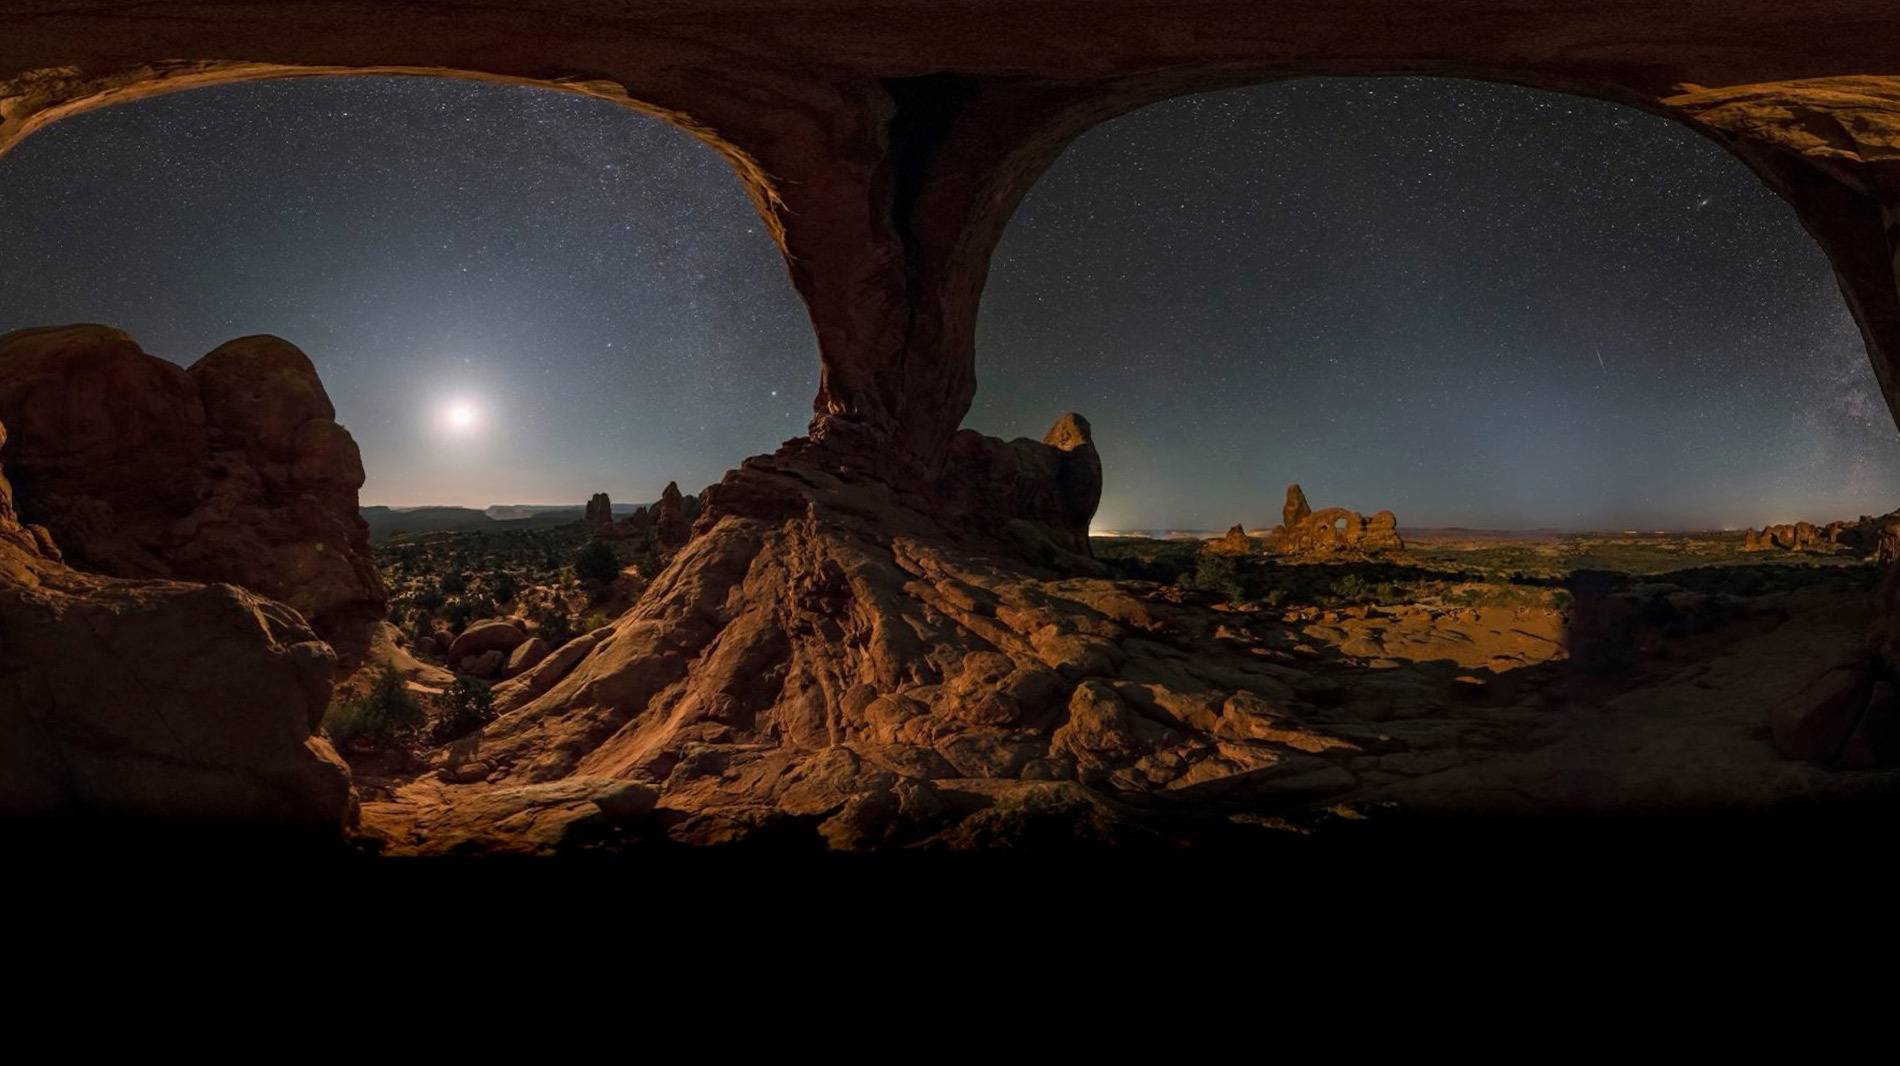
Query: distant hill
[
  {"x": 387, "y": 522},
  {"x": 507, "y": 512}
]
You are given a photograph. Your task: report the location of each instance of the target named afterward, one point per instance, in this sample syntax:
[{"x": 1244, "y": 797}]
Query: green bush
[
  {"x": 388, "y": 714},
  {"x": 454, "y": 583},
  {"x": 593, "y": 621},
  {"x": 596, "y": 562},
  {"x": 471, "y": 705}
]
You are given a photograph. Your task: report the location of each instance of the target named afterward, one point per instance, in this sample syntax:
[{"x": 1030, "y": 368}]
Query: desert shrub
[
  {"x": 649, "y": 561},
  {"x": 503, "y": 587},
  {"x": 455, "y": 615},
  {"x": 1504, "y": 596},
  {"x": 594, "y": 620},
  {"x": 555, "y": 625},
  {"x": 1219, "y": 573},
  {"x": 387, "y": 714},
  {"x": 470, "y": 704},
  {"x": 430, "y": 598},
  {"x": 454, "y": 583},
  {"x": 422, "y": 634},
  {"x": 1351, "y": 588},
  {"x": 596, "y": 562}
]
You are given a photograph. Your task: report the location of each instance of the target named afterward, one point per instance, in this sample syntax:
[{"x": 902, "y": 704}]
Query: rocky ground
[
  {"x": 853, "y": 646},
  {"x": 1487, "y": 680}
]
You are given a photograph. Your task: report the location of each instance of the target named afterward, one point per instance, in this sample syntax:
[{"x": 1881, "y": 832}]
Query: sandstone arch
[
  {"x": 886, "y": 148},
  {"x": 886, "y": 145}
]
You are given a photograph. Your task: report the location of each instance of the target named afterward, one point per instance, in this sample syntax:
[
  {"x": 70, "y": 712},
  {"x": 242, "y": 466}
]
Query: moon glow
[{"x": 460, "y": 417}]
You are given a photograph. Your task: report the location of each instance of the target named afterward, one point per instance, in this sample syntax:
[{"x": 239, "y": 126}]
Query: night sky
[
  {"x": 590, "y": 283},
  {"x": 1473, "y": 304}
]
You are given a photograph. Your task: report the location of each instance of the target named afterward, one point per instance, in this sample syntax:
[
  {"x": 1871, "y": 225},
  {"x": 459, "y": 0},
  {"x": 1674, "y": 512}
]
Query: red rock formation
[
  {"x": 833, "y": 658},
  {"x": 600, "y": 514},
  {"x": 671, "y": 530},
  {"x": 495, "y": 634},
  {"x": 158, "y": 703},
  {"x": 234, "y": 470},
  {"x": 1296, "y": 509},
  {"x": 1335, "y": 529},
  {"x": 1236, "y": 542},
  {"x": 1866, "y": 534},
  {"x": 1038, "y": 497}
]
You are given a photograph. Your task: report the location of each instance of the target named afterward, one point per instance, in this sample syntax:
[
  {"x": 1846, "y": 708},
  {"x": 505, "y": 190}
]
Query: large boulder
[
  {"x": 158, "y": 703},
  {"x": 1040, "y": 496},
  {"x": 234, "y": 470},
  {"x": 495, "y": 634},
  {"x": 526, "y": 656}
]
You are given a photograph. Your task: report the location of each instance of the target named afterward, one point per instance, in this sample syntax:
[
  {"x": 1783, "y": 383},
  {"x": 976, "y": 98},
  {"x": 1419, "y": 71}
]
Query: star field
[
  {"x": 1475, "y": 304},
  {"x": 595, "y": 281}
]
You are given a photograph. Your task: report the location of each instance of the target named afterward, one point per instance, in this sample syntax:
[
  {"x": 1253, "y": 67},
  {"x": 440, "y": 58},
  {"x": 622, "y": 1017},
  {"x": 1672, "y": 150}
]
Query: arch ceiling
[{"x": 886, "y": 142}]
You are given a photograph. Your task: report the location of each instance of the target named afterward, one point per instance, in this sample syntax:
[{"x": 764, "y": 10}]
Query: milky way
[{"x": 1473, "y": 304}]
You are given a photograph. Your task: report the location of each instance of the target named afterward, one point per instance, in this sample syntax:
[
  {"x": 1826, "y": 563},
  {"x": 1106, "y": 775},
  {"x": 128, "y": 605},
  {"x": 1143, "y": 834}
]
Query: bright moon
[{"x": 460, "y": 416}]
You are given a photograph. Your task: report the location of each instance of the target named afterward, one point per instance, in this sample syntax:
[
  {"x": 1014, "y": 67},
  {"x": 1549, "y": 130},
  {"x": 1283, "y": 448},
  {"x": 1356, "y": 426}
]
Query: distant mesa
[{"x": 388, "y": 522}]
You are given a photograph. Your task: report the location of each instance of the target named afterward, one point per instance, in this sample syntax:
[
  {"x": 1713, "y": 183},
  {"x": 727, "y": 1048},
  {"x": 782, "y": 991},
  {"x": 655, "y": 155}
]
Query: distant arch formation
[{"x": 886, "y": 145}]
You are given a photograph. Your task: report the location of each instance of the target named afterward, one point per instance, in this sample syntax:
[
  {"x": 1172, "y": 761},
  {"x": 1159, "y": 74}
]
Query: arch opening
[
  {"x": 539, "y": 276},
  {"x": 511, "y": 299},
  {"x": 1476, "y": 303}
]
